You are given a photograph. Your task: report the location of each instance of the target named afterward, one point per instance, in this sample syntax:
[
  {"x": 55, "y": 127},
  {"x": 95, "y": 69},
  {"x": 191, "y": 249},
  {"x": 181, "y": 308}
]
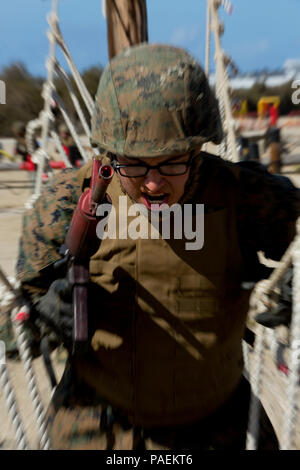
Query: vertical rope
[
  {"x": 256, "y": 381},
  {"x": 12, "y": 408},
  {"x": 30, "y": 130},
  {"x": 294, "y": 359},
  {"x": 56, "y": 33},
  {"x": 245, "y": 348},
  {"x": 227, "y": 5},
  {"x": 207, "y": 50},
  {"x": 25, "y": 355},
  {"x": 221, "y": 149}
]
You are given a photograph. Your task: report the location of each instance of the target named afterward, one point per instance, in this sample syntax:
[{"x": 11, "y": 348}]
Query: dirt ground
[{"x": 15, "y": 191}]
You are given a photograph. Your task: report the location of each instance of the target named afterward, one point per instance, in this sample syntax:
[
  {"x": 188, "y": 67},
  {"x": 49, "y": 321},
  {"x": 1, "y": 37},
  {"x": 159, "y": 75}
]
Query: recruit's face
[{"x": 154, "y": 187}]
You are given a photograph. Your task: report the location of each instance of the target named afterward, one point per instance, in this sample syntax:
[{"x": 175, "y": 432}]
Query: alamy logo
[
  {"x": 2, "y": 92},
  {"x": 296, "y": 94},
  {"x": 2, "y": 353},
  {"x": 167, "y": 222}
]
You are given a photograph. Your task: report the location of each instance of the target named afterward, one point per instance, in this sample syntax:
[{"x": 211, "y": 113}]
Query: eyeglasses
[{"x": 167, "y": 169}]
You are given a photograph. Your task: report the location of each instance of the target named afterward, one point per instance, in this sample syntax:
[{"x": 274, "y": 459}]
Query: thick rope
[
  {"x": 294, "y": 362},
  {"x": 207, "y": 42},
  {"x": 7, "y": 298},
  {"x": 292, "y": 255},
  {"x": 56, "y": 33},
  {"x": 221, "y": 149},
  {"x": 222, "y": 86},
  {"x": 47, "y": 116},
  {"x": 40, "y": 156},
  {"x": 8, "y": 292},
  {"x": 268, "y": 286},
  {"x": 61, "y": 73},
  {"x": 70, "y": 126},
  {"x": 49, "y": 94},
  {"x": 60, "y": 148},
  {"x": 228, "y": 151},
  {"x": 227, "y": 5}
]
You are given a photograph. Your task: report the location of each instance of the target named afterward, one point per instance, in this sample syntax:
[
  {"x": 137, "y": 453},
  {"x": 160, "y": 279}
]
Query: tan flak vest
[{"x": 169, "y": 321}]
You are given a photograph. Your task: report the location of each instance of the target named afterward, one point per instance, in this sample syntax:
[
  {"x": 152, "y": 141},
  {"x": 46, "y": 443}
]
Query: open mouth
[{"x": 155, "y": 199}]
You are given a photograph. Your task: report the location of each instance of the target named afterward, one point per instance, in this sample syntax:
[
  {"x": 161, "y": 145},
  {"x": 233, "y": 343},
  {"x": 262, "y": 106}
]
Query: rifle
[{"x": 81, "y": 243}]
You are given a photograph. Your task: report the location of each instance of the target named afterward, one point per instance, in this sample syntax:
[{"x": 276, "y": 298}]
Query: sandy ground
[{"x": 15, "y": 191}]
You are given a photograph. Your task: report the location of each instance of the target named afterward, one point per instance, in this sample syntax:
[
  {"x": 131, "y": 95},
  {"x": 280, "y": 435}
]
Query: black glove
[
  {"x": 279, "y": 315},
  {"x": 54, "y": 312}
]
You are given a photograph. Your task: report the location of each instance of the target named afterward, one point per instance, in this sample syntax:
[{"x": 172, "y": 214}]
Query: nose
[{"x": 154, "y": 181}]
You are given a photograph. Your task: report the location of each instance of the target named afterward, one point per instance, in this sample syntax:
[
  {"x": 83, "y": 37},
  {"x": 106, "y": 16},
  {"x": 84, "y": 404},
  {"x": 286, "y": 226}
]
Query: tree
[{"x": 24, "y": 95}]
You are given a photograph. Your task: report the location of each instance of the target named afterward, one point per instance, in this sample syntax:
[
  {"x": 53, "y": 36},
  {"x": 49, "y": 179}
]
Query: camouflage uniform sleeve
[
  {"x": 268, "y": 208},
  {"x": 44, "y": 231}
]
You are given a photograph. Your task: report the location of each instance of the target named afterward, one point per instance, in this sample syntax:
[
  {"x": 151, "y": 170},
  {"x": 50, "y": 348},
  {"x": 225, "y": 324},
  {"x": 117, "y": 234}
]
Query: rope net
[{"x": 269, "y": 385}]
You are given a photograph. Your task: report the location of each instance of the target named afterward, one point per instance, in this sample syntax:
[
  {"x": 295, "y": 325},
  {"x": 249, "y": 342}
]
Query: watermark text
[{"x": 2, "y": 92}]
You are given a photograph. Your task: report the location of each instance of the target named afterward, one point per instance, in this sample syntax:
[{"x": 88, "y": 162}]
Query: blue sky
[{"x": 259, "y": 34}]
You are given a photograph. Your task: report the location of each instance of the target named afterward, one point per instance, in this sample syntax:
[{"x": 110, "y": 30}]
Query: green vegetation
[{"x": 24, "y": 95}]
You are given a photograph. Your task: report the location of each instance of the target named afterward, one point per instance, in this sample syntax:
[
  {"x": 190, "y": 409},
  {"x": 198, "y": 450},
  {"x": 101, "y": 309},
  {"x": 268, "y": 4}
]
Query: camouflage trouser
[{"x": 100, "y": 428}]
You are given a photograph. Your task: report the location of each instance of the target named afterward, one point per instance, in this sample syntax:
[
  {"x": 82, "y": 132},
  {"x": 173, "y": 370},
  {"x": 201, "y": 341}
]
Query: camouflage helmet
[{"x": 154, "y": 100}]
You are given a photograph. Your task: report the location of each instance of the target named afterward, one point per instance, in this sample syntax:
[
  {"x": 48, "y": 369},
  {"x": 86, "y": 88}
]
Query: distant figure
[{"x": 69, "y": 146}]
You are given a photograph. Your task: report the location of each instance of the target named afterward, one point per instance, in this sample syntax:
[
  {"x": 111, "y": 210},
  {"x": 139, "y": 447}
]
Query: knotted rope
[
  {"x": 46, "y": 118},
  {"x": 294, "y": 360},
  {"x": 7, "y": 298},
  {"x": 12, "y": 408}
]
